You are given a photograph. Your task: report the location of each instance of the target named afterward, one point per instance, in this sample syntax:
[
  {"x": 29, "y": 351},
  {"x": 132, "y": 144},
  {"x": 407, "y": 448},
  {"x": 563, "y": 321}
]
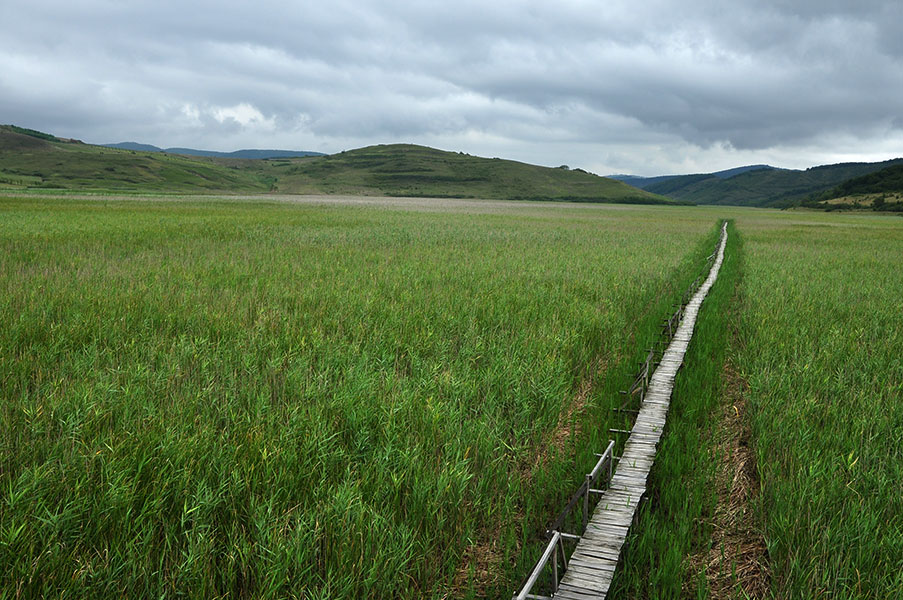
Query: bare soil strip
[
  {"x": 568, "y": 426},
  {"x": 485, "y": 558},
  {"x": 735, "y": 564}
]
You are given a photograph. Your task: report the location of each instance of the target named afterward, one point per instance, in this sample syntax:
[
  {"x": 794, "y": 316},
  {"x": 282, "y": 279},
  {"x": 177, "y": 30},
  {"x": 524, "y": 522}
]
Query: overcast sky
[{"x": 612, "y": 86}]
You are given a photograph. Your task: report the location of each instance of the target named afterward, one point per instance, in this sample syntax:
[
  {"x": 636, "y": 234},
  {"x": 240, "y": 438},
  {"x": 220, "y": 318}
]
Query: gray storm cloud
[{"x": 644, "y": 87}]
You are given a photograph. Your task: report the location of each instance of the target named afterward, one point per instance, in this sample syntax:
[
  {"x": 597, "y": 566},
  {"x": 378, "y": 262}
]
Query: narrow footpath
[{"x": 590, "y": 569}]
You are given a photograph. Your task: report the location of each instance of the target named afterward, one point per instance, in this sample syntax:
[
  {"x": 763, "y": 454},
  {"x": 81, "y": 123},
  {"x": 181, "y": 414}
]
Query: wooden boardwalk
[{"x": 592, "y": 565}]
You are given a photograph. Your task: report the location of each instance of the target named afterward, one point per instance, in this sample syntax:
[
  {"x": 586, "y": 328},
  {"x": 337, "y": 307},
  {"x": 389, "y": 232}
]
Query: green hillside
[
  {"x": 889, "y": 180},
  {"x": 765, "y": 187},
  {"x": 33, "y": 160}
]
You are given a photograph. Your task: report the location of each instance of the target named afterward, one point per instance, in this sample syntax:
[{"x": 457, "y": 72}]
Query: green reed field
[
  {"x": 821, "y": 346},
  {"x": 241, "y": 398},
  {"x": 251, "y": 399}
]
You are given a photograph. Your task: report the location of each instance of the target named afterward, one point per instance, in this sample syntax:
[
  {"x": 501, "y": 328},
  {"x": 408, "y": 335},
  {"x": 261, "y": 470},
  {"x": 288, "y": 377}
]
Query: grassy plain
[
  {"x": 265, "y": 399},
  {"x": 241, "y": 399}
]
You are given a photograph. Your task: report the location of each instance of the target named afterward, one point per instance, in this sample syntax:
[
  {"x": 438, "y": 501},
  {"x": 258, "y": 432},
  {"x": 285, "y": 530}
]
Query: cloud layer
[{"x": 613, "y": 86}]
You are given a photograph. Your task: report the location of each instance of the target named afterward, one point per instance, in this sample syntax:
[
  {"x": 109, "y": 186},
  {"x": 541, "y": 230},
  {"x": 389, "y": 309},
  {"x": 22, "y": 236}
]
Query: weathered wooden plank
[
  {"x": 589, "y": 582},
  {"x": 602, "y": 579},
  {"x": 598, "y": 582},
  {"x": 600, "y": 554},
  {"x": 590, "y": 564},
  {"x": 595, "y": 569},
  {"x": 571, "y": 595},
  {"x": 577, "y": 592}
]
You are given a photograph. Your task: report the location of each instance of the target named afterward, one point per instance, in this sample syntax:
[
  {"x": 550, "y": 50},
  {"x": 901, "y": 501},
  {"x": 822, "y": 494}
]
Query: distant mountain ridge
[
  {"x": 646, "y": 182},
  {"x": 246, "y": 153},
  {"x": 757, "y": 185}
]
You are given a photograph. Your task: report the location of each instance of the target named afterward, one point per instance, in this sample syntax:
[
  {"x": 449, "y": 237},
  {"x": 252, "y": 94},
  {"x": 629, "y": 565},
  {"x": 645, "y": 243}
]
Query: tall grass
[
  {"x": 823, "y": 299},
  {"x": 228, "y": 399}
]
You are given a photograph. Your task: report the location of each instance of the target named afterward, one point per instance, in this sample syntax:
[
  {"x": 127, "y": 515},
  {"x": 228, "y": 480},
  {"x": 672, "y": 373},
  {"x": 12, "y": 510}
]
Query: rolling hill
[
  {"x": 34, "y": 160},
  {"x": 409, "y": 170}
]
